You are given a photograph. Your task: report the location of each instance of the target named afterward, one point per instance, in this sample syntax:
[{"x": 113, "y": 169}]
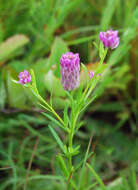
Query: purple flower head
[
  {"x": 91, "y": 74},
  {"x": 70, "y": 68},
  {"x": 110, "y": 38},
  {"x": 24, "y": 77}
]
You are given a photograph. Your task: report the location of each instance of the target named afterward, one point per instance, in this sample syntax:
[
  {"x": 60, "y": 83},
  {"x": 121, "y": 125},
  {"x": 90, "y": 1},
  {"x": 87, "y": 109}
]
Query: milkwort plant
[{"x": 70, "y": 122}]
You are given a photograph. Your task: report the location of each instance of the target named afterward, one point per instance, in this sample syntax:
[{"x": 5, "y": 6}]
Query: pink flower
[
  {"x": 91, "y": 74},
  {"x": 24, "y": 77},
  {"x": 70, "y": 68},
  {"x": 110, "y": 38}
]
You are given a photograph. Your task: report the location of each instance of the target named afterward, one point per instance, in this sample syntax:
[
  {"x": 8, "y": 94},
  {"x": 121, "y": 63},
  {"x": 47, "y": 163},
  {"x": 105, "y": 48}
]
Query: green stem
[
  {"x": 58, "y": 117},
  {"x": 48, "y": 106},
  {"x": 71, "y": 135},
  {"x": 87, "y": 90},
  {"x": 52, "y": 110},
  {"x": 91, "y": 88}
]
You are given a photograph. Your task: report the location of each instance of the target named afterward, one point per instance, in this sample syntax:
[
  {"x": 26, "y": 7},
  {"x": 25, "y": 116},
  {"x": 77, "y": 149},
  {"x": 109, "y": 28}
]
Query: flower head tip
[
  {"x": 91, "y": 74},
  {"x": 110, "y": 38},
  {"x": 70, "y": 68},
  {"x": 24, "y": 77}
]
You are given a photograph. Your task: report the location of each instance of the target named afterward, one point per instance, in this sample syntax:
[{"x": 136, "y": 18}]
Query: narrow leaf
[
  {"x": 66, "y": 118},
  {"x": 84, "y": 162},
  {"x": 54, "y": 120},
  {"x": 34, "y": 81},
  {"x": 61, "y": 145},
  {"x": 63, "y": 165},
  {"x": 97, "y": 177}
]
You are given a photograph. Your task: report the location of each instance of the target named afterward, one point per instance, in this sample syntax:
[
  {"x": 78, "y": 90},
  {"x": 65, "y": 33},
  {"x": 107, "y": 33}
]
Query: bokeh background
[{"x": 34, "y": 34}]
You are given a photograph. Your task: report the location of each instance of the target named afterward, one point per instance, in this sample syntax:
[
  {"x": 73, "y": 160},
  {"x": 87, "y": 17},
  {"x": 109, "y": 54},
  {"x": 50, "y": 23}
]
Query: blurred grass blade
[
  {"x": 12, "y": 44},
  {"x": 81, "y": 40},
  {"x": 108, "y": 13},
  {"x": 35, "y": 132},
  {"x": 79, "y": 30},
  {"x": 92, "y": 186},
  {"x": 12, "y": 164},
  {"x": 84, "y": 162},
  {"x": 132, "y": 180},
  {"x": 97, "y": 177}
]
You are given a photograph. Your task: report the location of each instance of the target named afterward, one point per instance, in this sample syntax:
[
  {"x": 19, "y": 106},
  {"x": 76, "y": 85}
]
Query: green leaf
[
  {"x": 53, "y": 84},
  {"x": 44, "y": 107},
  {"x": 61, "y": 145},
  {"x": 63, "y": 165},
  {"x": 88, "y": 102},
  {"x": 40, "y": 68},
  {"x": 101, "y": 50},
  {"x": 108, "y": 13},
  {"x": 54, "y": 120},
  {"x": 75, "y": 150},
  {"x": 12, "y": 44},
  {"x": 101, "y": 68},
  {"x": 34, "y": 82},
  {"x": 59, "y": 47},
  {"x": 66, "y": 118},
  {"x": 96, "y": 45},
  {"x": 133, "y": 180}
]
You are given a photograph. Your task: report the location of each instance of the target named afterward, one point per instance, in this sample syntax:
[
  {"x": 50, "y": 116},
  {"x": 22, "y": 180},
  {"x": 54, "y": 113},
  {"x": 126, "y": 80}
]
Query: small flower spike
[
  {"x": 25, "y": 77},
  {"x": 91, "y": 74},
  {"x": 110, "y": 38},
  {"x": 70, "y": 68}
]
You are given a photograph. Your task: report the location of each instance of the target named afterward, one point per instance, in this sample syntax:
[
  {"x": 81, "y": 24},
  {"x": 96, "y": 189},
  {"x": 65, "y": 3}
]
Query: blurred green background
[{"x": 34, "y": 34}]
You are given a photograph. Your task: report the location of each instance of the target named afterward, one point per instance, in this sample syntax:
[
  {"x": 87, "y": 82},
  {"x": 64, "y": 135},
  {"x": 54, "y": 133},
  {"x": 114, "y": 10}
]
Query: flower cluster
[
  {"x": 70, "y": 63},
  {"x": 24, "y": 77},
  {"x": 110, "y": 38},
  {"x": 70, "y": 68}
]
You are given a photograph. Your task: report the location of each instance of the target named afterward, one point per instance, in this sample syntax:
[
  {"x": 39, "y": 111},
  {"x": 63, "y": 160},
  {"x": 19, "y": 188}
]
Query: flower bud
[
  {"x": 25, "y": 77},
  {"x": 91, "y": 74},
  {"x": 70, "y": 68},
  {"x": 110, "y": 38}
]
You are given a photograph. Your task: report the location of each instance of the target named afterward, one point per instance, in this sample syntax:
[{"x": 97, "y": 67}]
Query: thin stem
[
  {"x": 91, "y": 88},
  {"x": 58, "y": 117},
  {"x": 52, "y": 110},
  {"x": 30, "y": 162},
  {"x": 49, "y": 108},
  {"x": 71, "y": 134},
  {"x": 89, "y": 84}
]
